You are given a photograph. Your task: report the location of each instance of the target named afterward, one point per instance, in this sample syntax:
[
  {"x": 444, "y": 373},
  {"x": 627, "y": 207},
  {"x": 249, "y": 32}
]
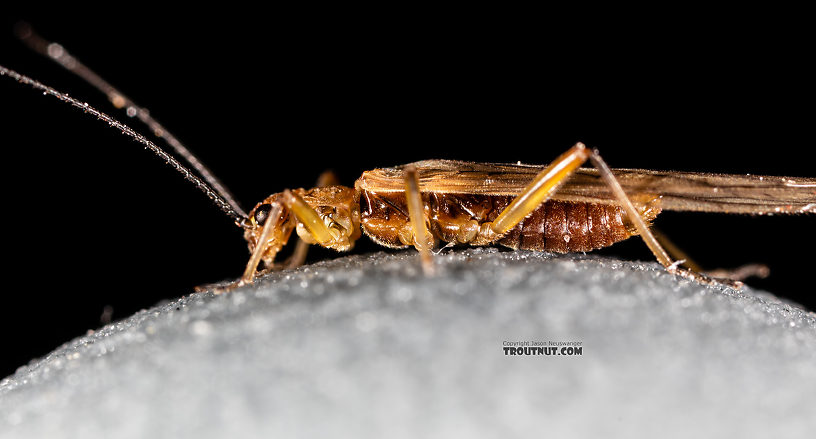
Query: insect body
[
  {"x": 461, "y": 202},
  {"x": 378, "y": 206},
  {"x": 561, "y": 207},
  {"x": 582, "y": 214}
]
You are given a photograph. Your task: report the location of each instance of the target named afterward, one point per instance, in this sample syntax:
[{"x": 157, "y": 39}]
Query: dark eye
[{"x": 261, "y": 213}]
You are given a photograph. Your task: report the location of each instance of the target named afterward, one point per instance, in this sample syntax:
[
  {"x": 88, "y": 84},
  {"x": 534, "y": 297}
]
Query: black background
[{"x": 269, "y": 102}]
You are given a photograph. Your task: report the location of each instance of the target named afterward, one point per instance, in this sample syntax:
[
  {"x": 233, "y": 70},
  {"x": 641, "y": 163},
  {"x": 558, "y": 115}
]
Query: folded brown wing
[{"x": 682, "y": 191}]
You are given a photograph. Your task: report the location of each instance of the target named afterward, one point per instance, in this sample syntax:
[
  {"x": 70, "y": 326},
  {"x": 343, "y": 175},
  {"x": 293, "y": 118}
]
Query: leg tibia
[{"x": 423, "y": 239}]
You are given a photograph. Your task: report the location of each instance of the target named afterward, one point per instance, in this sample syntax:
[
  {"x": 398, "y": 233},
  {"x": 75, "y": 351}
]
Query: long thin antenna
[
  {"x": 61, "y": 56},
  {"x": 216, "y": 198}
]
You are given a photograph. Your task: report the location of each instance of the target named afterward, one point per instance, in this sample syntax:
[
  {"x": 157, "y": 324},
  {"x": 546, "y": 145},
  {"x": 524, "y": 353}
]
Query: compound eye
[{"x": 262, "y": 213}]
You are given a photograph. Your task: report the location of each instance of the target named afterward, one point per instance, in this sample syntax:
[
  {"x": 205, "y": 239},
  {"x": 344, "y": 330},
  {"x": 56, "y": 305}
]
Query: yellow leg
[
  {"x": 540, "y": 189},
  {"x": 631, "y": 212},
  {"x": 423, "y": 240},
  {"x": 304, "y": 213},
  {"x": 298, "y": 257},
  {"x": 257, "y": 254},
  {"x": 309, "y": 218},
  {"x": 546, "y": 183},
  {"x": 250, "y": 272},
  {"x": 327, "y": 178},
  {"x": 643, "y": 229},
  {"x": 737, "y": 274}
]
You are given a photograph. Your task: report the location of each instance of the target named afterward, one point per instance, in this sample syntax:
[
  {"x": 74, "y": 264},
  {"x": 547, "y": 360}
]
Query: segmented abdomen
[
  {"x": 556, "y": 226},
  {"x": 563, "y": 227}
]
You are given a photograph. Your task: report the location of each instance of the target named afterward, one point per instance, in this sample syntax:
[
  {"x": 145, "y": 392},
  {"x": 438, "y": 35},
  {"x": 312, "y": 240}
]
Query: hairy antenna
[
  {"x": 61, "y": 56},
  {"x": 216, "y": 198}
]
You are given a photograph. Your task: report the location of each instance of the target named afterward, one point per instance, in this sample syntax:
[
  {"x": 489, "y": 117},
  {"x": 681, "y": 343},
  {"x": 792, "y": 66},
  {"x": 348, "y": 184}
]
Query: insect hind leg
[
  {"x": 546, "y": 183},
  {"x": 643, "y": 229},
  {"x": 632, "y": 214},
  {"x": 740, "y": 273}
]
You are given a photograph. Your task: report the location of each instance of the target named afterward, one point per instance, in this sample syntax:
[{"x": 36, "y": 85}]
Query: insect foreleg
[
  {"x": 305, "y": 214},
  {"x": 423, "y": 239},
  {"x": 298, "y": 257},
  {"x": 261, "y": 247},
  {"x": 310, "y": 219}
]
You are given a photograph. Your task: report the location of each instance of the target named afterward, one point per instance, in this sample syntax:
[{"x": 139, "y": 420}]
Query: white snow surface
[{"x": 366, "y": 346}]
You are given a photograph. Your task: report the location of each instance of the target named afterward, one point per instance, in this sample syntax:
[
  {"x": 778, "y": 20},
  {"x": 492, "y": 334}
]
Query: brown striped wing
[{"x": 682, "y": 191}]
